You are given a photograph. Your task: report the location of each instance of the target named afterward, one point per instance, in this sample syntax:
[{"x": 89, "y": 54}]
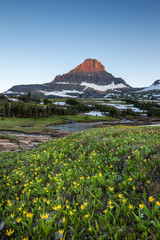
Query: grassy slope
[
  {"x": 29, "y": 125},
  {"x": 94, "y": 181}
]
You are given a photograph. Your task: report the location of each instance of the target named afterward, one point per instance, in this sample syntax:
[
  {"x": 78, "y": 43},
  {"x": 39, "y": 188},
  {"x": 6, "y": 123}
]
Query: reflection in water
[
  {"x": 76, "y": 126},
  {"x": 80, "y": 126}
]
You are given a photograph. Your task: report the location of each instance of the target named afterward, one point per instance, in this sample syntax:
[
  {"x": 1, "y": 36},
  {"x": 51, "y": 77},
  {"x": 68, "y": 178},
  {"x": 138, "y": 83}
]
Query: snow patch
[
  {"x": 8, "y": 92},
  {"x": 152, "y": 87},
  {"x": 63, "y": 93},
  {"x": 103, "y": 88},
  {"x": 60, "y": 103},
  {"x": 95, "y": 113},
  {"x": 14, "y": 99},
  {"x": 124, "y": 107},
  {"x": 66, "y": 83}
]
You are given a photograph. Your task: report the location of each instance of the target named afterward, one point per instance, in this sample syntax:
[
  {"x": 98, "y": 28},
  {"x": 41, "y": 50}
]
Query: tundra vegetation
[
  {"x": 97, "y": 184},
  {"x": 34, "y": 107},
  {"x": 153, "y": 108}
]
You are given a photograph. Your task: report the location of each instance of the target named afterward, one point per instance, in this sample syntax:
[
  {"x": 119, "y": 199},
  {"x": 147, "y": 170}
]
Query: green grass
[
  {"x": 96, "y": 184},
  {"x": 38, "y": 125}
]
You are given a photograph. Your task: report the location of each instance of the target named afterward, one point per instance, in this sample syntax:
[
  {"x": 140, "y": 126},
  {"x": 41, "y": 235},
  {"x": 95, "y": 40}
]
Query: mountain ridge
[{"x": 88, "y": 80}]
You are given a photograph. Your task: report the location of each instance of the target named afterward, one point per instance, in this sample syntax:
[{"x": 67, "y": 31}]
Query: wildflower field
[{"x": 98, "y": 184}]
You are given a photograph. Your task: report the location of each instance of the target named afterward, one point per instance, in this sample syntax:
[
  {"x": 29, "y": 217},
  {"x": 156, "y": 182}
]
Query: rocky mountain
[
  {"x": 154, "y": 86},
  {"x": 149, "y": 93},
  {"x": 152, "y": 92},
  {"x": 87, "y": 80}
]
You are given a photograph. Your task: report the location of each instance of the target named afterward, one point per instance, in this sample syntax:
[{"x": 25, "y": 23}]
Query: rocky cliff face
[
  {"x": 90, "y": 71},
  {"x": 88, "y": 66},
  {"x": 89, "y": 79}
]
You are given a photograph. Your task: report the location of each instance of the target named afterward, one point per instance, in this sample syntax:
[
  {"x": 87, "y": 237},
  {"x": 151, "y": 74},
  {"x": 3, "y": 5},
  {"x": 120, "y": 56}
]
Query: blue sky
[{"x": 41, "y": 39}]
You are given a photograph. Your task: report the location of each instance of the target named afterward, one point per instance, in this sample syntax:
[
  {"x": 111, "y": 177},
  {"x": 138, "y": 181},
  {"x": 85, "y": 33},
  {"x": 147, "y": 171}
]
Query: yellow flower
[
  {"x": 86, "y": 216},
  {"x": 10, "y": 232},
  {"x": 64, "y": 219},
  {"x": 100, "y": 174},
  {"x": 151, "y": 199},
  {"x": 61, "y": 231},
  {"x": 29, "y": 215},
  {"x": 105, "y": 211},
  {"x": 35, "y": 200},
  {"x": 111, "y": 188},
  {"x": 18, "y": 219},
  {"x": 111, "y": 206},
  {"x": 90, "y": 229},
  {"x": 44, "y": 216},
  {"x": 124, "y": 200},
  {"x": 130, "y": 179},
  {"x": 130, "y": 206},
  {"x": 24, "y": 212},
  {"x": 25, "y": 238},
  {"x": 81, "y": 178},
  {"x": 12, "y": 215},
  {"x": 141, "y": 205},
  {"x": 158, "y": 203},
  {"x": 82, "y": 207},
  {"x": 120, "y": 195},
  {"x": 109, "y": 202},
  {"x": 134, "y": 188},
  {"x": 71, "y": 213}
]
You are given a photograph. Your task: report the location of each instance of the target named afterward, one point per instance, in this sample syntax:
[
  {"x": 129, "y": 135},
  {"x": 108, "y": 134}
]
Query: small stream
[
  {"x": 76, "y": 127},
  {"x": 80, "y": 126}
]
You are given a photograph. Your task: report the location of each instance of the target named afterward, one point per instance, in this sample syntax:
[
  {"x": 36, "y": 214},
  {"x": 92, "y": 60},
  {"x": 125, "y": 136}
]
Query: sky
[{"x": 40, "y": 39}]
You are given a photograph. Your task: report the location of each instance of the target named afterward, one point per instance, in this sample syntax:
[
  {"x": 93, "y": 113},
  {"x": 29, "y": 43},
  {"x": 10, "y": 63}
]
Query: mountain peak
[
  {"x": 156, "y": 82},
  {"x": 89, "y": 65}
]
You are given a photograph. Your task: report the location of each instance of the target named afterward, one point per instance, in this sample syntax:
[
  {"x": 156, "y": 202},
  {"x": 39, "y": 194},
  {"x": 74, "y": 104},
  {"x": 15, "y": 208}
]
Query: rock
[
  {"x": 9, "y": 147},
  {"x": 40, "y": 139},
  {"x": 4, "y": 140},
  {"x": 24, "y": 142},
  {"x": 1, "y": 148},
  {"x": 21, "y": 146},
  {"x": 61, "y": 222},
  {"x": 89, "y": 65},
  {"x": 2, "y": 225},
  {"x": 58, "y": 235}
]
